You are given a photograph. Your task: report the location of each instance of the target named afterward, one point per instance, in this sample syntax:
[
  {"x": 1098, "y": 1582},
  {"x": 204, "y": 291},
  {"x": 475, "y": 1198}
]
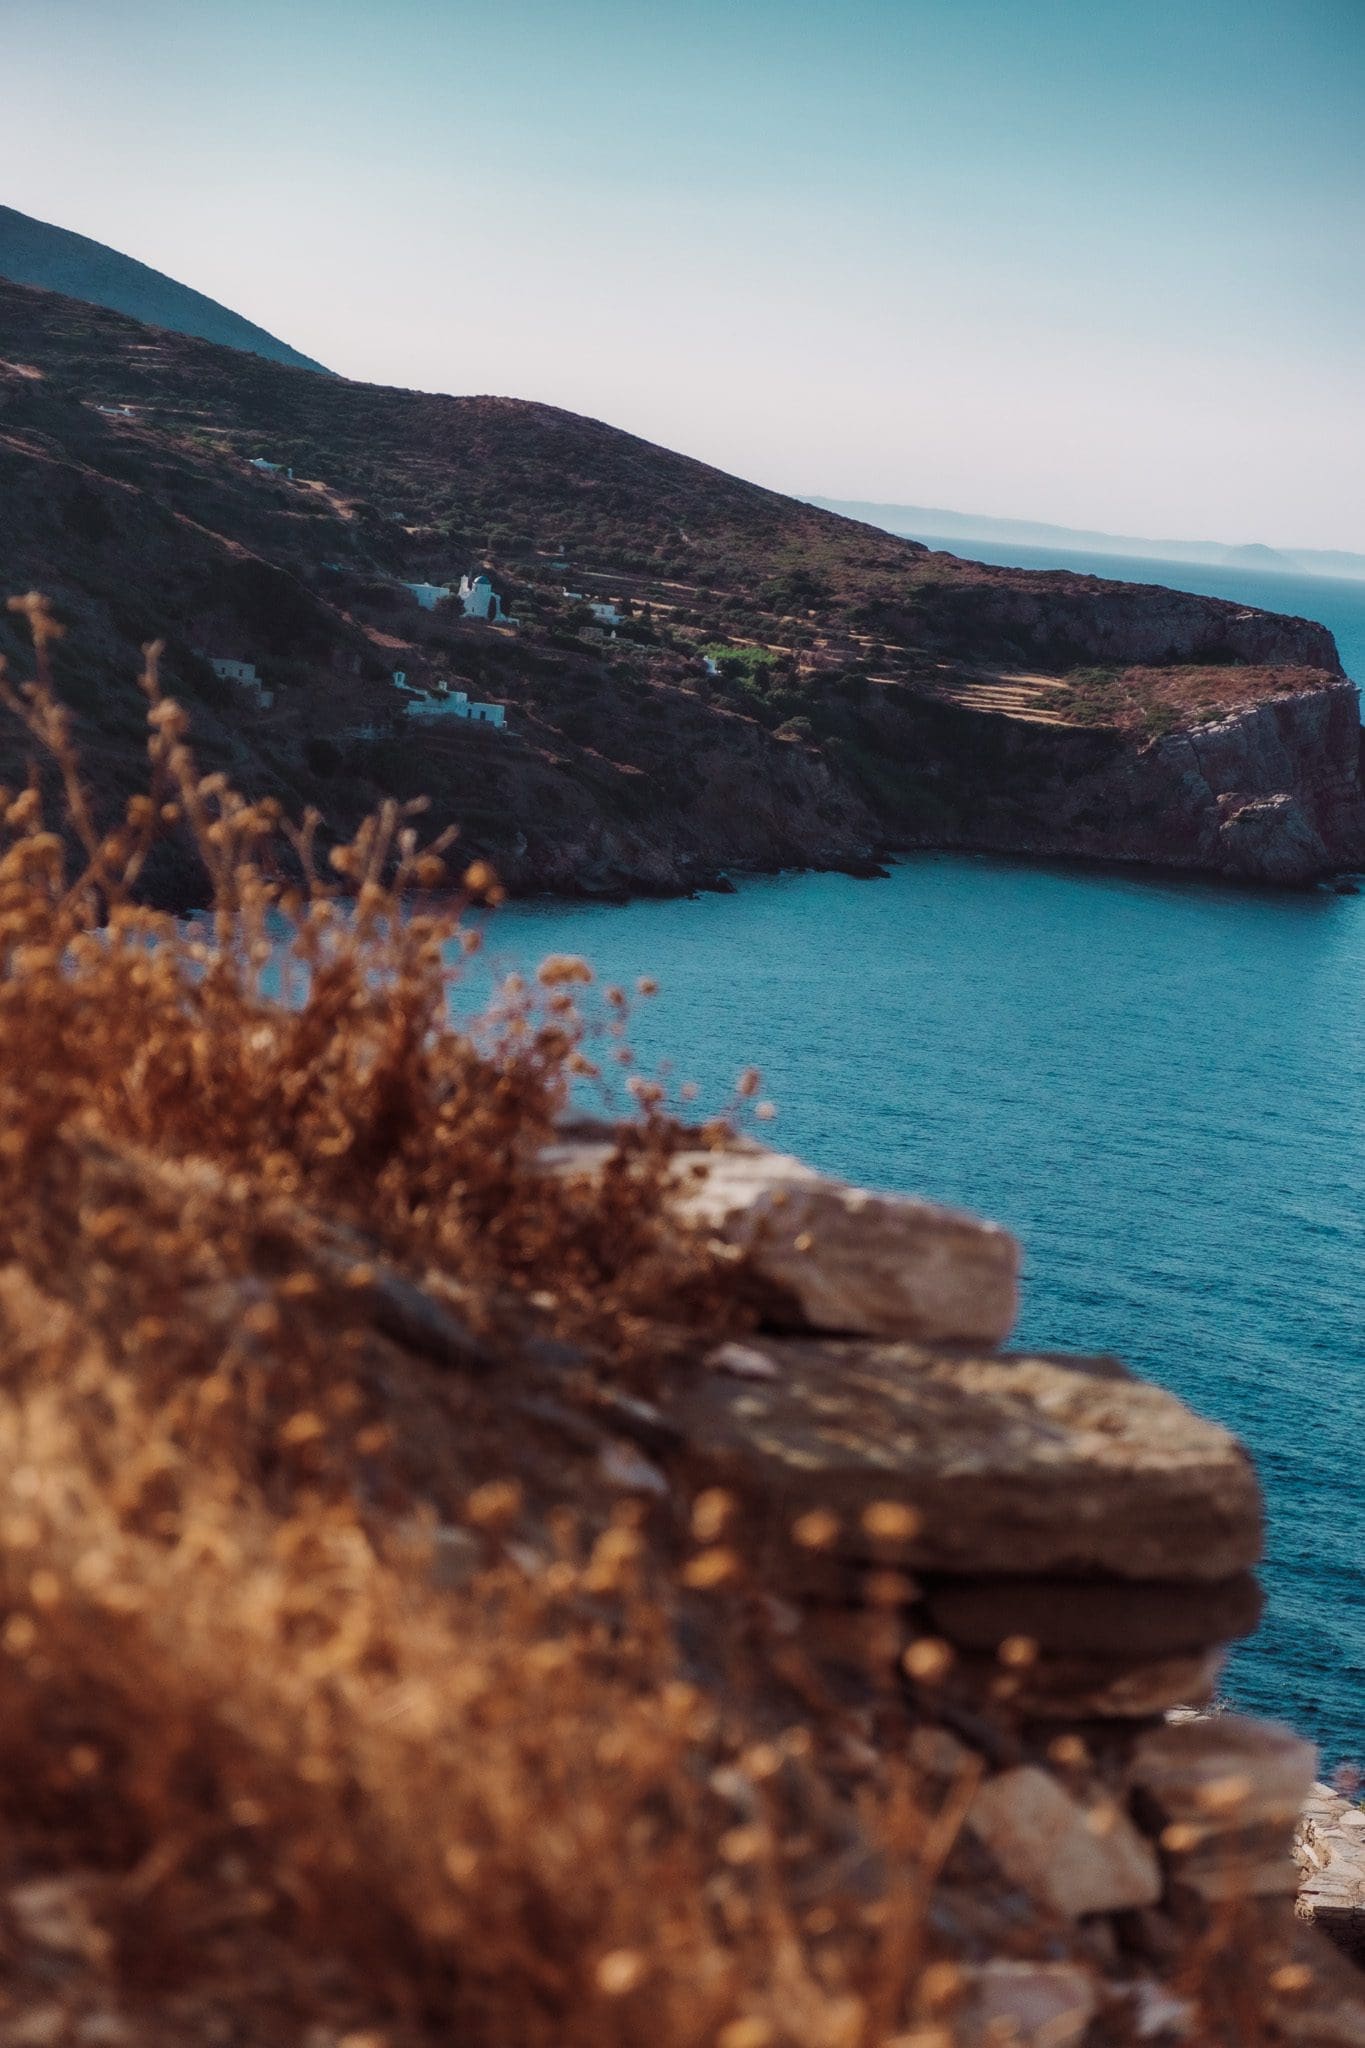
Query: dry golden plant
[{"x": 293, "y": 1729}]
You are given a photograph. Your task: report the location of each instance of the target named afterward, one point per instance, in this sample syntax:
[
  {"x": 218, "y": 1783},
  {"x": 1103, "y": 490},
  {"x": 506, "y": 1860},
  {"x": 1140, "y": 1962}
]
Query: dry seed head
[
  {"x": 747, "y": 2033},
  {"x": 558, "y": 969},
  {"x": 711, "y": 1511},
  {"x": 1018, "y": 1653},
  {"x": 763, "y": 1761},
  {"x": 710, "y": 1568},
  {"x": 817, "y": 1529},
  {"x": 494, "y": 1505},
  {"x": 1182, "y": 1836},
  {"x": 1068, "y": 1752},
  {"x": 890, "y": 1521},
  {"x": 620, "y": 1972},
  {"x": 304, "y": 1428},
  {"x": 939, "y": 1985},
  {"x": 19, "y": 1635},
  {"x": 929, "y": 1660},
  {"x": 1291, "y": 1978},
  {"x": 743, "y": 1845}
]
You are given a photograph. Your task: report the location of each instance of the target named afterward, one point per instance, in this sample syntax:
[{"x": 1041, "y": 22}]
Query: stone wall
[{"x": 1047, "y": 1557}]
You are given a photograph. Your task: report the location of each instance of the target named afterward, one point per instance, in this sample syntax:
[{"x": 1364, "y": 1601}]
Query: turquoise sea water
[{"x": 1158, "y": 1083}]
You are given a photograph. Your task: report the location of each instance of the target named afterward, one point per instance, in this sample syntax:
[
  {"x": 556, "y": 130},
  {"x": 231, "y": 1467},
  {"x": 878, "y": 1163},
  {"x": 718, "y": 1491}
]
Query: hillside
[
  {"x": 781, "y": 686},
  {"x": 34, "y": 252}
]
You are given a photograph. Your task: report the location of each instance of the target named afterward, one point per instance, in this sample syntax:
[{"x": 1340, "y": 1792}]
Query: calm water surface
[{"x": 1159, "y": 1084}]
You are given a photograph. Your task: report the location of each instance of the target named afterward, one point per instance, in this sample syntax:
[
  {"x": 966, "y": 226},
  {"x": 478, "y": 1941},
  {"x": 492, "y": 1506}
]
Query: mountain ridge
[
  {"x": 911, "y": 521},
  {"x": 51, "y": 258}
]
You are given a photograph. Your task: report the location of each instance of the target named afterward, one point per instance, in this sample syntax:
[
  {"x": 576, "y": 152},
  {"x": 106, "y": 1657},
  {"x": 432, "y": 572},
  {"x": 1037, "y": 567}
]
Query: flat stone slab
[
  {"x": 1012, "y": 1464},
  {"x": 818, "y": 1254},
  {"x": 1072, "y": 1858},
  {"x": 1225, "y": 1773},
  {"x": 1120, "y": 1618}
]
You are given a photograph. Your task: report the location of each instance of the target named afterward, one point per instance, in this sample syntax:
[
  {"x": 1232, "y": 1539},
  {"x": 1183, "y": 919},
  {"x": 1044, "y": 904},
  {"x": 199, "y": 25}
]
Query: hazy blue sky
[{"x": 1097, "y": 261}]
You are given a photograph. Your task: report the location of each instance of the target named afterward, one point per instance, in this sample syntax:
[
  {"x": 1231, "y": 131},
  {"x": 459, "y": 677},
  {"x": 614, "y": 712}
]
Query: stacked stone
[{"x": 1048, "y": 1556}]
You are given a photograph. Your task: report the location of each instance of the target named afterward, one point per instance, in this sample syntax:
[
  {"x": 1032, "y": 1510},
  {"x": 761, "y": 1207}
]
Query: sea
[{"x": 1158, "y": 1082}]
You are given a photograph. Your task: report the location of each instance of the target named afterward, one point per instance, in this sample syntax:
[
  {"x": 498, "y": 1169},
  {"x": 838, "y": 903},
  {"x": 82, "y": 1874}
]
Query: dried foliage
[
  {"x": 325, "y": 1697},
  {"x": 343, "y": 1700}
]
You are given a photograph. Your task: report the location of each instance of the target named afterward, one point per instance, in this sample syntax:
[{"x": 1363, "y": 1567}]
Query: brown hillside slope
[{"x": 868, "y": 693}]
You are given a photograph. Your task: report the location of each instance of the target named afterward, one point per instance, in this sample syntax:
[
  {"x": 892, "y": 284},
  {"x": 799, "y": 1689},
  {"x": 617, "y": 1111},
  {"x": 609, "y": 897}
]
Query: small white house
[
  {"x": 428, "y": 595},
  {"x": 480, "y": 600},
  {"x": 605, "y": 614},
  {"x": 456, "y": 704},
  {"x": 243, "y": 673}
]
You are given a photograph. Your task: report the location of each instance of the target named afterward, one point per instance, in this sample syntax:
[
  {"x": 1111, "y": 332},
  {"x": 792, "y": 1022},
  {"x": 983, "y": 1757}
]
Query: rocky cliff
[
  {"x": 774, "y": 685},
  {"x": 1267, "y": 791}
]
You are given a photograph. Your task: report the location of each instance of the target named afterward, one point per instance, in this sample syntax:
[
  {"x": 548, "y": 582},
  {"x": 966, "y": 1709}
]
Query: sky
[{"x": 1099, "y": 262}]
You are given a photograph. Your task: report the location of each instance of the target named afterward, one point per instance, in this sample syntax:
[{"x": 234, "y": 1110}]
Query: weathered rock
[
  {"x": 818, "y": 1254},
  {"x": 1024, "y": 2005},
  {"x": 1095, "y": 1618},
  {"x": 939, "y": 1754},
  {"x": 1014, "y": 1464},
  {"x": 1226, "y": 1794},
  {"x": 1071, "y": 1858},
  {"x": 1329, "y": 2010},
  {"x": 1330, "y": 1855},
  {"x": 1103, "y": 1688},
  {"x": 1224, "y": 1770}
]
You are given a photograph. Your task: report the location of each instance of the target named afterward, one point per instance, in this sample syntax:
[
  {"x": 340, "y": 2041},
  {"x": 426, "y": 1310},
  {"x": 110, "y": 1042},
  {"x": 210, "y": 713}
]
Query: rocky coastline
[{"x": 1055, "y": 1555}]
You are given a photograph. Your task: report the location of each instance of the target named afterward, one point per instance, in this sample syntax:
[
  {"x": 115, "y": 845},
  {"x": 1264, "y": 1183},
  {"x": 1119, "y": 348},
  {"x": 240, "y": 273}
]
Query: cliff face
[
  {"x": 1068, "y": 619},
  {"x": 1268, "y": 792}
]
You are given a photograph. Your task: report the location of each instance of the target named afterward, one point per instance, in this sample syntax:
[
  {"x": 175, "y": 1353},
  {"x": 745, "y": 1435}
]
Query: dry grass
[{"x": 325, "y": 1697}]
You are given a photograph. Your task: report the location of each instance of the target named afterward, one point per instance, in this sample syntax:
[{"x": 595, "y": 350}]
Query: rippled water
[{"x": 1158, "y": 1083}]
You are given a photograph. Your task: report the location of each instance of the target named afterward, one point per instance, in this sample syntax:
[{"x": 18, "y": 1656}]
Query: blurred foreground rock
[{"x": 1033, "y": 1563}]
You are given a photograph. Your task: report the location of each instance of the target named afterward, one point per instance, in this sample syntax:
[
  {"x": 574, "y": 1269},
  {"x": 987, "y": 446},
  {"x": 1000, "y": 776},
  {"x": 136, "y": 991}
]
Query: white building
[
  {"x": 480, "y": 600},
  {"x": 243, "y": 673},
  {"x": 428, "y": 595},
  {"x": 449, "y": 704},
  {"x": 605, "y": 614}
]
